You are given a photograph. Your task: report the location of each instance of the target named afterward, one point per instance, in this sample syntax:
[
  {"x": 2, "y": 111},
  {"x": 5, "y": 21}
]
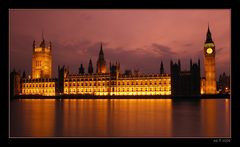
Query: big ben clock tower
[{"x": 209, "y": 64}]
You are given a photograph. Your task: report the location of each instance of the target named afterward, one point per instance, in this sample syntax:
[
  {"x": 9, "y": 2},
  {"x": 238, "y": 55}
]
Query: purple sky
[{"x": 137, "y": 38}]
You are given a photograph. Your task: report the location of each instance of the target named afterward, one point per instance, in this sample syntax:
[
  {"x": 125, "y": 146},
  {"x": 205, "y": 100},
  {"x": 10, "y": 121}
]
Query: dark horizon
[{"x": 138, "y": 39}]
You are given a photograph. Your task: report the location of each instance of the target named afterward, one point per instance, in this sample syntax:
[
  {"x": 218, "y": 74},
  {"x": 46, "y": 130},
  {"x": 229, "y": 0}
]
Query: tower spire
[
  {"x": 43, "y": 41},
  {"x": 101, "y": 63},
  {"x": 161, "y": 68},
  {"x": 208, "y": 26},
  {"x": 209, "y": 36},
  {"x": 101, "y": 50}
]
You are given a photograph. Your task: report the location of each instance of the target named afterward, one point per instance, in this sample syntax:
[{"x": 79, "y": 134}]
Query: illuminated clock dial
[{"x": 209, "y": 50}]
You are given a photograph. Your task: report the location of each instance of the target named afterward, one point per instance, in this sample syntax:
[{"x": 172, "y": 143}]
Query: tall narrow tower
[
  {"x": 90, "y": 67},
  {"x": 42, "y": 60},
  {"x": 101, "y": 64},
  {"x": 209, "y": 64},
  {"x": 161, "y": 68}
]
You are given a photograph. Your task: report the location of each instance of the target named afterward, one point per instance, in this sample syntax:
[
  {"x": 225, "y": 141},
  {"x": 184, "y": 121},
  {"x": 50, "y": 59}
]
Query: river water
[{"x": 120, "y": 118}]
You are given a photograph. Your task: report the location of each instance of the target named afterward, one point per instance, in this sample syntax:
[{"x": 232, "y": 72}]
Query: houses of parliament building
[{"x": 110, "y": 81}]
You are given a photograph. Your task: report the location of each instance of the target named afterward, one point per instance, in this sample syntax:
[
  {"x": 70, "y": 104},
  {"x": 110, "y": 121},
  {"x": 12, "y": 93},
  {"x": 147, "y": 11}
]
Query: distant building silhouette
[
  {"x": 223, "y": 84},
  {"x": 63, "y": 72},
  {"x": 114, "y": 70},
  {"x": 185, "y": 83},
  {"x": 15, "y": 83},
  {"x": 128, "y": 72}
]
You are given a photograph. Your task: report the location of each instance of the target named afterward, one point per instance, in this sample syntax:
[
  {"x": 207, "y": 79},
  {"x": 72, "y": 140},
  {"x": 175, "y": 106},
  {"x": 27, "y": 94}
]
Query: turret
[
  {"x": 90, "y": 67},
  {"x": 81, "y": 69},
  {"x": 161, "y": 68}
]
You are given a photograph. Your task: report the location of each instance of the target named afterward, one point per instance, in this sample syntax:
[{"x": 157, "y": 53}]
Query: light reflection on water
[{"x": 120, "y": 118}]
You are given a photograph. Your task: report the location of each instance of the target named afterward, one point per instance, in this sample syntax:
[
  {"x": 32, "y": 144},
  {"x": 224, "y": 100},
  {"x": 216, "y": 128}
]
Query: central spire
[{"x": 101, "y": 64}]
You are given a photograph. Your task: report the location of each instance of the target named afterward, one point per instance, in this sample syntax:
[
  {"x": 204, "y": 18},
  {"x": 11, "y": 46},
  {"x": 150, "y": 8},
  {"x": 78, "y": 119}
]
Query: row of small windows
[
  {"x": 38, "y": 85},
  {"x": 38, "y": 91},
  {"x": 38, "y": 63},
  {"x": 119, "y": 89},
  {"x": 88, "y": 79},
  {"x": 119, "y": 83}
]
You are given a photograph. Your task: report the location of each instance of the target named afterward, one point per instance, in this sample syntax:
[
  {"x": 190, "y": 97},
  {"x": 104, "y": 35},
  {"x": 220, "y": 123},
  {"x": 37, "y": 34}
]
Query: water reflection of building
[{"x": 215, "y": 118}]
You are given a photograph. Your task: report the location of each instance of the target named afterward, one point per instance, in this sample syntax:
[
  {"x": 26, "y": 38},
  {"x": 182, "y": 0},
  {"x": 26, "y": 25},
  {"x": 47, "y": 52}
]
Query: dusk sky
[{"x": 138, "y": 39}]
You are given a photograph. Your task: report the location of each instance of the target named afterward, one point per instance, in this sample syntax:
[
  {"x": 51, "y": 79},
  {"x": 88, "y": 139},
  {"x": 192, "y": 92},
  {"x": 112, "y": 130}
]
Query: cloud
[
  {"x": 219, "y": 51},
  {"x": 163, "y": 50}
]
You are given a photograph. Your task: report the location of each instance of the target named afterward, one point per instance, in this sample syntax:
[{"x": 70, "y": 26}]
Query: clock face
[{"x": 209, "y": 50}]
